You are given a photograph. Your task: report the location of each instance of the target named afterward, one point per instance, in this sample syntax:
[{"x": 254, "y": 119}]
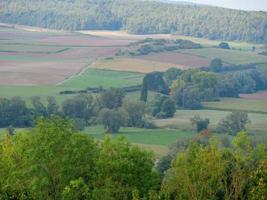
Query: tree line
[
  {"x": 53, "y": 162},
  {"x": 109, "y": 108},
  {"x": 140, "y": 17},
  {"x": 189, "y": 88}
]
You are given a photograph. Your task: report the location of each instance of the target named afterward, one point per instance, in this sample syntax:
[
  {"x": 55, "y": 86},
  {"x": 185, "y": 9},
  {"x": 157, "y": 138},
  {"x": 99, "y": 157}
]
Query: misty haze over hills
[{"x": 250, "y": 5}]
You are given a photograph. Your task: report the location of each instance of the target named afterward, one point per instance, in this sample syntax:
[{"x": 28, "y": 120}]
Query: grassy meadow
[
  {"x": 181, "y": 120},
  {"x": 249, "y": 105},
  {"x": 90, "y": 78},
  {"x": 228, "y": 56}
]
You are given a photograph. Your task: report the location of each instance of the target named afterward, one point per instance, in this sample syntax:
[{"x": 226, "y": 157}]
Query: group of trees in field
[
  {"x": 150, "y": 45},
  {"x": 232, "y": 124},
  {"x": 53, "y": 162},
  {"x": 188, "y": 88},
  {"x": 141, "y": 17}
]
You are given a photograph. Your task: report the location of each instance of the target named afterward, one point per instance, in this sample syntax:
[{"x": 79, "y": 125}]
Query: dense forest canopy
[{"x": 140, "y": 17}]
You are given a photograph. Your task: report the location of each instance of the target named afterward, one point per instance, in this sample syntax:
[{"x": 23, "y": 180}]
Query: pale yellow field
[
  {"x": 133, "y": 65},
  {"x": 202, "y": 41}
]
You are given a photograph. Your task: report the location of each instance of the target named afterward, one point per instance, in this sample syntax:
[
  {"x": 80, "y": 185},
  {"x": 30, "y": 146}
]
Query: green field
[
  {"x": 228, "y": 56},
  {"x": 245, "y": 46},
  {"x": 156, "y": 140},
  {"x": 163, "y": 137},
  {"x": 90, "y": 78},
  {"x": 182, "y": 120},
  {"x": 104, "y": 78},
  {"x": 249, "y": 105},
  {"x": 30, "y": 48}
]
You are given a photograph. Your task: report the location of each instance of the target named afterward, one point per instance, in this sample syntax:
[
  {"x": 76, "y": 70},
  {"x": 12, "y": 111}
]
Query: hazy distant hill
[{"x": 141, "y": 17}]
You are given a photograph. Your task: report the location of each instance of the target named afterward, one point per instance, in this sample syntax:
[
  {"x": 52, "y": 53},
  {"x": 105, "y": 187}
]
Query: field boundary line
[
  {"x": 228, "y": 109},
  {"x": 79, "y": 73}
]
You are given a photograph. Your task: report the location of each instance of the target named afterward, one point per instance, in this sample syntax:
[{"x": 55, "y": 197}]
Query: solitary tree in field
[
  {"x": 224, "y": 45},
  {"x": 113, "y": 119},
  {"x": 199, "y": 123}
]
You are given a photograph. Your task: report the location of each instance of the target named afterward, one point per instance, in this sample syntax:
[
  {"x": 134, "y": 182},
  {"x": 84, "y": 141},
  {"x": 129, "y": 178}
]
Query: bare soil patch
[
  {"x": 84, "y": 40},
  {"x": 36, "y": 73}
]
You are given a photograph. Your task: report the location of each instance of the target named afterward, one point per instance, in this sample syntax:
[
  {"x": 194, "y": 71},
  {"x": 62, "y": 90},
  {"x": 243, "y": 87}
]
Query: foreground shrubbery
[{"x": 53, "y": 162}]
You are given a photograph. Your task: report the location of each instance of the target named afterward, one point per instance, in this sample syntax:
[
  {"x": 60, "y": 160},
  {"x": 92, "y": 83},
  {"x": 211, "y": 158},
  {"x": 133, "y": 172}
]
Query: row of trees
[
  {"x": 141, "y": 17},
  {"x": 150, "y": 45},
  {"x": 108, "y": 108},
  {"x": 53, "y": 162}
]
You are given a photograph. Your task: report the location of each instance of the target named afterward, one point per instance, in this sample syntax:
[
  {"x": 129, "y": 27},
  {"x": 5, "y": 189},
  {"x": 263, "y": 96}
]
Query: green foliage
[
  {"x": 113, "y": 119},
  {"x": 76, "y": 190},
  {"x": 150, "y": 45},
  {"x": 188, "y": 98},
  {"x": 46, "y": 153},
  {"x": 81, "y": 107},
  {"x": 258, "y": 187},
  {"x": 172, "y": 74},
  {"x": 199, "y": 123},
  {"x": 156, "y": 82},
  {"x": 112, "y": 98},
  {"x": 11, "y": 130},
  {"x": 53, "y": 162},
  {"x": 38, "y": 107},
  {"x": 207, "y": 22},
  {"x": 233, "y": 123},
  {"x": 211, "y": 172},
  {"x": 14, "y": 112},
  {"x": 136, "y": 112},
  {"x": 52, "y": 106},
  {"x": 224, "y": 45},
  {"x": 124, "y": 169},
  {"x": 168, "y": 108},
  {"x": 216, "y": 65}
]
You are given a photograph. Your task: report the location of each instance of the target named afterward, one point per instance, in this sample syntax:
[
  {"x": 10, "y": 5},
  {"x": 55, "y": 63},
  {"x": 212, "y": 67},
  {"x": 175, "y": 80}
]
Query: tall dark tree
[{"x": 144, "y": 90}]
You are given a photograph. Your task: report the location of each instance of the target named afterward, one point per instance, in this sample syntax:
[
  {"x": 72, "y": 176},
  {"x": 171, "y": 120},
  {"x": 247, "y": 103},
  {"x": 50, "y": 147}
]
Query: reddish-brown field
[
  {"x": 84, "y": 40},
  {"x": 258, "y": 96},
  {"x": 87, "y": 52},
  {"x": 36, "y": 73},
  {"x": 177, "y": 58},
  {"x": 36, "y": 56}
]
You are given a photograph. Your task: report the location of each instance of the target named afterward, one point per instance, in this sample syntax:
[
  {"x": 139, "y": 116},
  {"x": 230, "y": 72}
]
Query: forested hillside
[{"x": 141, "y": 17}]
